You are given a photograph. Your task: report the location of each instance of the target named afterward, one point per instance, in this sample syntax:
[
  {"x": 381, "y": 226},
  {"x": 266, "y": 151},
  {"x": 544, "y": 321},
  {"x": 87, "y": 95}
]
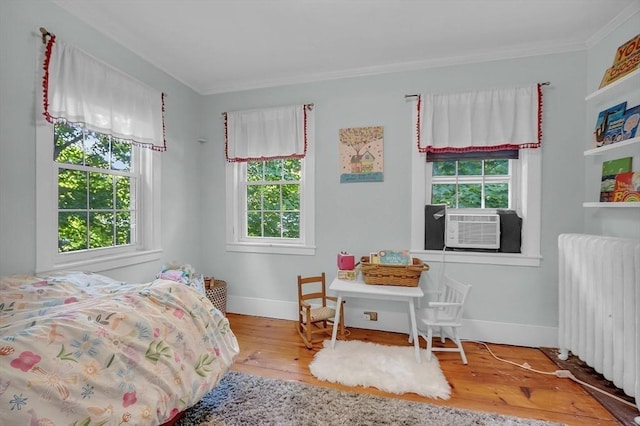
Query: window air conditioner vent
[{"x": 472, "y": 230}]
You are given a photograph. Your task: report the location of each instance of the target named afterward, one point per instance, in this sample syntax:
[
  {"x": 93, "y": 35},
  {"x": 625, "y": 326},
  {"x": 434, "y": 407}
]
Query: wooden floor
[{"x": 272, "y": 348}]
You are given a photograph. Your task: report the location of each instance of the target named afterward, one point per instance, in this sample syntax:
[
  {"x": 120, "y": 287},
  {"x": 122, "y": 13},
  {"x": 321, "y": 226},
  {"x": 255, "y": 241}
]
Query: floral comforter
[{"x": 82, "y": 349}]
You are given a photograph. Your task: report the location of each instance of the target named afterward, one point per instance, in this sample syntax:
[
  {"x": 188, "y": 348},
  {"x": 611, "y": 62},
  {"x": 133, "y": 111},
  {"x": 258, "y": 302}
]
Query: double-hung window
[
  {"x": 270, "y": 191},
  {"x": 95, "y": 198},
  {"x": 461, "y": 166},
  {"x": 97, "y": 183}
]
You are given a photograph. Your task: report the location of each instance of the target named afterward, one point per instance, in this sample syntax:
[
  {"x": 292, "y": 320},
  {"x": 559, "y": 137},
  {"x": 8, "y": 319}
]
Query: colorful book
[
  {"x": 347, "y": 274},
  {"x": 390, "y": 257},
  {"x": 604, "y": 123},
  {"x": 630, "y": 126},
  {"x": 627, "y": 51},
  {"x": 627, "y": 187},
  {"x": 626, "y": 60},
  {"x": 610, "y": 169}
]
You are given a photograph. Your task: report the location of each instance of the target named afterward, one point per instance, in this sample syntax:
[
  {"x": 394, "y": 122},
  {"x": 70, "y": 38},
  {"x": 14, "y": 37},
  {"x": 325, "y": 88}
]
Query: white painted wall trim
[{"x": 484, "y": 331}]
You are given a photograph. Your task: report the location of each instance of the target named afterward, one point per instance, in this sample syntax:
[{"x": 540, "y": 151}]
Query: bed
[{"x": 83, "y": 349}]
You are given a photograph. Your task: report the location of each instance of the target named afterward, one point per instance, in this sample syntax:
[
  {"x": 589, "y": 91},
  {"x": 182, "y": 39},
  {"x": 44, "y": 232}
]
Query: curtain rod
[
  {"x": 308, "y": 106},
  {"x": 45, "y": 34},
  {"x": 546, "y": 83}
]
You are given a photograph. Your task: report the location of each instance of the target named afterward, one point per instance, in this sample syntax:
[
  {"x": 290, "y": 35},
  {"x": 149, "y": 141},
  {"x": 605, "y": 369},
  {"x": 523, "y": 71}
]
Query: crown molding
[
  {"x": 626, "y": 14},
  {"x": 490, "y": 56}
]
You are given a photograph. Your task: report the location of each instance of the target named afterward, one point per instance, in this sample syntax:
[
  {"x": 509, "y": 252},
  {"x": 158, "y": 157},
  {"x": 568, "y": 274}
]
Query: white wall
[{"x": 19, "y": 23}]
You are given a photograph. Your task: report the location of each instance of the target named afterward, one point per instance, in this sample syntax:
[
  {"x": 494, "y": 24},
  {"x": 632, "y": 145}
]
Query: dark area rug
[
  {"x": 622, "y": 412},
  {"x": 242, "y": 399}
]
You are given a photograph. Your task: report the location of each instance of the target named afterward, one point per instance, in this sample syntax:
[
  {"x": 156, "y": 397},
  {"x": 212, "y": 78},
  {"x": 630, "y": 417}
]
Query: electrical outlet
[{"x": 370, "y": 316}]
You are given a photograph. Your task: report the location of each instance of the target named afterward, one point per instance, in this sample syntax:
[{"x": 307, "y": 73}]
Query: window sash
[
  {"x": 245, "y": 184},
  {"x": 148, "y": 222},
  {"x": 483, "y": 180}
]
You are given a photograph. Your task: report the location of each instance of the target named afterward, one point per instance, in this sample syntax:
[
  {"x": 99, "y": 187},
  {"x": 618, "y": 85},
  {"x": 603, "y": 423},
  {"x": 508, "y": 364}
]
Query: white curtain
[
  {"x": 81, "y": 89},
  {"x": 483, "y": 120},
  {"x": 266, "y": 134}
]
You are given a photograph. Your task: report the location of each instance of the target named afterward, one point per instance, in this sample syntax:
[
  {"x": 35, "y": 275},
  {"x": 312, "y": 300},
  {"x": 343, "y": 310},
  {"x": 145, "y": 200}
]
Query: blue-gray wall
[
  {"x": 355, "y": 217},
  {"x": 19, "y": 65}
]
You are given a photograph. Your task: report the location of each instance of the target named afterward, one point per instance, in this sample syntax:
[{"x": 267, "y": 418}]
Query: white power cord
[{"x": 563, "y": 374}]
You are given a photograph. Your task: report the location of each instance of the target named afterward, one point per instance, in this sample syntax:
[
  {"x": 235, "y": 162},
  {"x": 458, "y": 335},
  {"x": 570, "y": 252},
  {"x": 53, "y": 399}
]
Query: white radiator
[{"x": 599, "y": 301}]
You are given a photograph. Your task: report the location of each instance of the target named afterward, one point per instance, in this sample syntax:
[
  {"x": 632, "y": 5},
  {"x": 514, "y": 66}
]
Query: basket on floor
[
  {"x": 216, "y": 291},
  {"x": 402, "y": 275}
]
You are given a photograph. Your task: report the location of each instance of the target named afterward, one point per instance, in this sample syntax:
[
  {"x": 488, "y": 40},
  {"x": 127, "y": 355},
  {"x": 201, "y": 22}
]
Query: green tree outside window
[
  {"x": 96, "y": 189},
  {"x": 471, "y": 183},
  {"x": 273, "y": 198}
]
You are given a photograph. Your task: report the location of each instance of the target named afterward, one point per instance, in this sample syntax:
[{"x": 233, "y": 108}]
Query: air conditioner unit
[{"x": 471, "y": 230}]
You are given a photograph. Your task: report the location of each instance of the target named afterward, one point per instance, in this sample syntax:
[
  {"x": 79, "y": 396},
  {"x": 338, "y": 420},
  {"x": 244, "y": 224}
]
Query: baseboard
[{"x": 485, "y": 331}]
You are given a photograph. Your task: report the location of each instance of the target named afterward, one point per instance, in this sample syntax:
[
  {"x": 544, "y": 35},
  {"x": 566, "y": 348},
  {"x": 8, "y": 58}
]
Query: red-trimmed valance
[
  {"x": 83, "y": 90},
  {"x": 266, "y": 134},
  {"x": 479, "y": 121}
]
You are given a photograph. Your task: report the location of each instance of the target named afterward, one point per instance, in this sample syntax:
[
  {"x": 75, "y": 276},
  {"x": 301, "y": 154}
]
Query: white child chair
[{"x": 444, "y": 317}]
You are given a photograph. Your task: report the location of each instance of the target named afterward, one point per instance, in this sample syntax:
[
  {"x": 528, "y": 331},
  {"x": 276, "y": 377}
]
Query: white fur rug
[{"x": 389, "y": 368}]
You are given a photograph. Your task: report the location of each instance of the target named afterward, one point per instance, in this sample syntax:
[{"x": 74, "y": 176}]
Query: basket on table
[
  {"x": 403, "y": 275},
  {"x": 216, "y": 291}
]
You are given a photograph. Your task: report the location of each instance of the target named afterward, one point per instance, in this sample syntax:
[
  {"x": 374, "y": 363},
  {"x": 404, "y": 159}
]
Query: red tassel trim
[
  {"x": 539, "y": 115},
  {"x": 226, "y": 137},
  {"x": 162, "y": 148},
  {"x": 45, "y": 78},
  {"x": 418, "y": 108}
]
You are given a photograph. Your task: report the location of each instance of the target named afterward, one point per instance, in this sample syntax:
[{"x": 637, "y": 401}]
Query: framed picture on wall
[{"x": 361, "y": 154}]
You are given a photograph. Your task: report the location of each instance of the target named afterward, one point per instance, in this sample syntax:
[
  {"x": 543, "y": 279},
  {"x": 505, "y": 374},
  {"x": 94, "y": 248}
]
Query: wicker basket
[
  {"x": 408, "y": 276},
  {"x": 216, "y": 292}
]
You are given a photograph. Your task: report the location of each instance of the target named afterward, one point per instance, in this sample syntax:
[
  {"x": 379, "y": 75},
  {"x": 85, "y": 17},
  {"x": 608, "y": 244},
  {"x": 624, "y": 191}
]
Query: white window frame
[
  {"x": 148, "y": 244},
  {"x": 526, "y": 201},
  {"x": 236, "y": 210}
]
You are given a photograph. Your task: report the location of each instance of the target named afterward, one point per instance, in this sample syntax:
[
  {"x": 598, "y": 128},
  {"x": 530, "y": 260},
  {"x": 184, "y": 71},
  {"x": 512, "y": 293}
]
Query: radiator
[{"x": 599, "y": 302}]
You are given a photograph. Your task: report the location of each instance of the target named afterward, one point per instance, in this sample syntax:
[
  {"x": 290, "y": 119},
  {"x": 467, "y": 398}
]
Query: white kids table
[{"x": 359, "y": 289}]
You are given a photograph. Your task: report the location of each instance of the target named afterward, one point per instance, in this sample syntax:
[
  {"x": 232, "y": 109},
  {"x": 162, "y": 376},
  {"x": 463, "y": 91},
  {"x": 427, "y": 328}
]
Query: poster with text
[{"x": 361, "y": 154}]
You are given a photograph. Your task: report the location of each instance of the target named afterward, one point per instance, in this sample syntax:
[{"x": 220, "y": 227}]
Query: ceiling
[{"x": 216, "y": 46}]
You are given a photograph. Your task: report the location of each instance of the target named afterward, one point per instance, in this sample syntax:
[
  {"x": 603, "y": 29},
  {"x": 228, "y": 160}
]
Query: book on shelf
[
  {"x": 610, "y": 170},
  {"x": 609, "y": 121},
  {"x": 626, "y": 60},
  {"x": 627, "y": 187},
  {"x": 630, "y": 123},
  {"x": 627, "y": 50}
]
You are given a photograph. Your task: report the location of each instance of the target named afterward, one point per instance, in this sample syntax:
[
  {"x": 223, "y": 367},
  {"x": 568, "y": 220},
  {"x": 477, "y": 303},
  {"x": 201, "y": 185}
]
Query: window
[
  {"x": 270, "y": 198},
  {"x": 271, "y": 206},
  {"x": 481, "y": 184},
  {"x": 97, "y": 206},
  {"x": 97, "y": 179},
  {"x": 273, "y": 199},
  {"x": 471, "y": 184},
  {"x": 460, "y": 127},
  {"x": 91, "y": 194}
]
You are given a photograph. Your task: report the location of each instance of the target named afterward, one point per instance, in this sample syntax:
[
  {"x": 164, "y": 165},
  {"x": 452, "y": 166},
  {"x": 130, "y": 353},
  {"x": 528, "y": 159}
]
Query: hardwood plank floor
[{"x": 272, "y": 348}]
